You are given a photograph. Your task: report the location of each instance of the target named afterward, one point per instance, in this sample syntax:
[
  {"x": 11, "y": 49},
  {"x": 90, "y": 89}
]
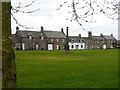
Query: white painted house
[{"x": 76, "y": 42}]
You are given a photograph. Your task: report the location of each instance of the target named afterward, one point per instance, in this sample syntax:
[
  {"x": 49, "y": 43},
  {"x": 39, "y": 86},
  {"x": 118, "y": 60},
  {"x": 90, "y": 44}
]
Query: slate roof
[
  {"x": 107, "y": 37},
  {"x": 15, "y": 39},
  {"x": 97, "y": 37},
  {"x": 35, "y": 34},
  {"x": 76, "y": 39},
  {"x": 54, "y": 34}
]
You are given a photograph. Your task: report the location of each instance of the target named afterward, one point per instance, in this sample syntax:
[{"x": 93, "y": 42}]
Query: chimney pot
[
  {"x": 42, "y": 28},
  {"x": 17, "y": 28},
  {"x": 111, "y": 34},
  {"x": 101, "y": 34},
  {"x": 62, "y": 30},
  {"x": 80, "y": 35},
  {"x": 89, "y": 34}
]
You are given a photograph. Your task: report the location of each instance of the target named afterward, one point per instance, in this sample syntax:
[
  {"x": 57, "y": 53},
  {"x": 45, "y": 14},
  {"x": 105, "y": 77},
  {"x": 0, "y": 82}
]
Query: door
[
  {"x": 37, "y": 46},
  {"x": 23, "y": 46},
  {"x": 50, "y": 46},
  {"x": 104, "y": 46},
  {"x": 57, "y": 47}
]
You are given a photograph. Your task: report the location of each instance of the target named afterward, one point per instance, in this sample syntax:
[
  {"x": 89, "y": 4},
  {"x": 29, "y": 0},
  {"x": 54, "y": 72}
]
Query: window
[
  {"x": 14, "y": 45},
  {"x": 63, "y": 40},
  {"x": 77, "y": 46},
  {"x": 42, "y": 37},
  {"x": 97, "y": 41},
  {"x": 103, "y": 41},
  {"x": 52, "y": 40},
  {"x": 57, "y": 39},
  {"x": 81, "y": 46},
  {"x": 30, "y": 37},
  {"x": 72, "y": 40},
  {"x": 92, "y": 46},
  {"x": 57, "y": 47},
  {"x": 111, "y": 42},
  {"x": 72, "y": 46},
  {"x": 36, "y": 46}
]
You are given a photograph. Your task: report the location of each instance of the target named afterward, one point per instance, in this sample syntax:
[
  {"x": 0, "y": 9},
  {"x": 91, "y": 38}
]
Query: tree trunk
[
  {"x": 0, "y": 46},
  {"x": 8, "y": 56}
]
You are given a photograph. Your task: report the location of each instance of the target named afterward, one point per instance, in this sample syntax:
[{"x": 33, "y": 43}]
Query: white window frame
[
  {"x": 42, "y": 38},
  {"x": 23, "y": 46},
  {"x": 30, "y": 37},
  {"x": 57, "y": 40},
  {"x": 52, "y": 40},
  {"x": 63, "y": 40},
  {"x": 57, "y": 46}
]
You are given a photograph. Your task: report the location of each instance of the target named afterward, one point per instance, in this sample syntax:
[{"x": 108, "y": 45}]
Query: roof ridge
[
  {"x": 106, "y": 35},
  {"x": 96, "y": 36},
  {"x": 73, "y": 36},
  {"x": 28, "y": 31},
  {"x": 50, "y": 31}
]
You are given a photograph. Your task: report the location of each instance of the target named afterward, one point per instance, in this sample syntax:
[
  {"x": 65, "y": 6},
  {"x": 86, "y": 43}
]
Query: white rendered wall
[{"x": 75, "y": 44}]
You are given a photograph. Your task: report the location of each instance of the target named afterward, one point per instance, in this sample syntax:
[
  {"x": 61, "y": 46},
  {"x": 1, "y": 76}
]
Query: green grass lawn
[{"x": 79, "y": 69}]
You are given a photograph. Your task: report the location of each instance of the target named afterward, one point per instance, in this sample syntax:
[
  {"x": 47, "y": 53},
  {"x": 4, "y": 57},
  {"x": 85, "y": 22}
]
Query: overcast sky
[{"x": 52, "y": 19}]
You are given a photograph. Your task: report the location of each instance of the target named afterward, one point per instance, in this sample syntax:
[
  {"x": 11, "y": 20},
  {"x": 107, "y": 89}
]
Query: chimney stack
[
  {"x": 111, "y": 34},
  {"x": 17, "y": 28},
  {"x": 80, "y": 35},
  {"x": 89, "y": 34},
  {"x": 62, "y": 30},
  {"x": 101, "y": 35},
  {"x": 42, "y": 28}
]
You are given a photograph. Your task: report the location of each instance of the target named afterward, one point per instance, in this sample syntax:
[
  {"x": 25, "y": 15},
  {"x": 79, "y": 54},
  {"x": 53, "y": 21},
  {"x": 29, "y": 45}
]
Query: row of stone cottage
[{"x": 53, "y": 40}]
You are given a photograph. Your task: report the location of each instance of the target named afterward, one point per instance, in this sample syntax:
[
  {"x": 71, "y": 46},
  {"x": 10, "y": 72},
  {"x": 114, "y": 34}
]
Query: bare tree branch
[
  {"x": 17, "y": 22},
  {"x": 19, "y": 9},
  {"x": 84, "y": 10}
]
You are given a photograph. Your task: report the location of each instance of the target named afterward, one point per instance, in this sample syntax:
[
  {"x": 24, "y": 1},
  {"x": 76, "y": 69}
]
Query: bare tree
[
  {"x": 84, "y": 10},
  {"x": 8, "y": 55}
]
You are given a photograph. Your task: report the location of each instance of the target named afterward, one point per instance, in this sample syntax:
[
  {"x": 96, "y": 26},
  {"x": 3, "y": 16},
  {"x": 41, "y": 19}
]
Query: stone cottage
[
  {"x": 52, "y": 40},
  {"x": 38, "y": 40},
  {"x": 55, "y": 40},
  {"x": 102, "y": 41},
  {"x": 76, "y": 42}
]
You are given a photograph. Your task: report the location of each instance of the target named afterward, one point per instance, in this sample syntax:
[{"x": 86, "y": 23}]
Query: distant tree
[{"x": 84, "y": 10}]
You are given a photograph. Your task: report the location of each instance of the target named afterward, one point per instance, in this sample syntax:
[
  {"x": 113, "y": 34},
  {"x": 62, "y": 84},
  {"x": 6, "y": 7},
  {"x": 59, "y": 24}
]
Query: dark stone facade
[
  {"x": 54, "y": 40},
  {"x": 38, "y": 40}
]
